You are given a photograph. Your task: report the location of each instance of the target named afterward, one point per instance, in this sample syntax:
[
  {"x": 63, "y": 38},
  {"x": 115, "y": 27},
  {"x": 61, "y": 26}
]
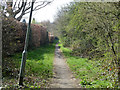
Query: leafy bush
[
  {"x": 92, "y": 73},
  {"x": 14, "y": 33}
]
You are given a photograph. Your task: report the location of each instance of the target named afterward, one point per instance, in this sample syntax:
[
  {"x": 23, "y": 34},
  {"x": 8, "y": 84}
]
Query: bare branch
[
  {"x": 36, "y": 8},
  {"x": 14, "y": 5},
  {"x": 22, "y": 7},
  {"x": 29, "y": 3},
  {"x": 19, "y": 4},
  {"x": 19, "y": 8},
  {"x": 27, "y": 8},
  {"x": 41, "y": 6},
  {"x": 20, "y": 17}
]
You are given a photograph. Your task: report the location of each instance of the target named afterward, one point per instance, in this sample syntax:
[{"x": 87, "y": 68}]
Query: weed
[
  {"x": 88, "y": 71},
  {"x": 39, "y": 66}
]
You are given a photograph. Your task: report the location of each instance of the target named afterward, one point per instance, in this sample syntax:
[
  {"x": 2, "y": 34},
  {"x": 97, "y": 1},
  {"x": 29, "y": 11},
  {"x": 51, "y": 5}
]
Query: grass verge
[
  {"x": 39, "y": 66},
  {"x": 89, "y": 72}
]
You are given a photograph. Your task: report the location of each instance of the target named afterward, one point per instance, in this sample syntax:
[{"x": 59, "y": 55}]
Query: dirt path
[{"x": 63, "y": 77}]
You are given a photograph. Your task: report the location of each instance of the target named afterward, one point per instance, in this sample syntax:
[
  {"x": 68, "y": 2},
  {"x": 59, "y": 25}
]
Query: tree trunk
[
  {"x": 19, "y": 18},
  {"x": 113, "y": 50},
  {"x": 112, "y": 44}
]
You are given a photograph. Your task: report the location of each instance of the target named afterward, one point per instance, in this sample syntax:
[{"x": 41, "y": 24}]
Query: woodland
[{"x": 92, "y": 30}]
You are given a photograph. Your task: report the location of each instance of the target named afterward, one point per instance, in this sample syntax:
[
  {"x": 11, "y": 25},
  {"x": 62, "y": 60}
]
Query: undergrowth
[
  {"x": 89, "y": 72},
  {"x": 39, "y": 66}
]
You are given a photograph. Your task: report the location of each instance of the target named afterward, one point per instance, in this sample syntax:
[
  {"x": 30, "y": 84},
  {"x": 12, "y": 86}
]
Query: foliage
[
  {"x": 91, "y": 31},
  {"x": 13, "y": 36},
  {"x": 89, "y": 72},
  {"x": 14, "y": 33},
  {"x": 39, "y": 65},
  {"x": 39, "y": 35}
]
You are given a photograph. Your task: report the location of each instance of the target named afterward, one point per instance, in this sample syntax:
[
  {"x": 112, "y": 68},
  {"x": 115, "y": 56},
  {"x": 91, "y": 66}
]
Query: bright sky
[{"x": 48, "y": 12}]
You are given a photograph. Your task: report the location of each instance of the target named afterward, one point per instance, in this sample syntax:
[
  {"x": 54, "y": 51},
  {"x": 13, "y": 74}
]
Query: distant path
[{"x": 63, "y": 77}]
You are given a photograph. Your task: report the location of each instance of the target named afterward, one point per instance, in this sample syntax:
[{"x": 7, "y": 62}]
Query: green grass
[
  {"x": 87, "y": 71},
  {"x": 39, "y": 67}
]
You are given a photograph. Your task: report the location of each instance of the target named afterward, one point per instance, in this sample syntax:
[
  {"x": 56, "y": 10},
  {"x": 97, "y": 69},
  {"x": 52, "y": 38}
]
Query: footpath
[{"x": 63, "y": 77}]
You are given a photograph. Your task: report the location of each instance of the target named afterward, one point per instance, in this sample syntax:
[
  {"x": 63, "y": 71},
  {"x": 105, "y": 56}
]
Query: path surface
[{"x": 63, "y": 77}]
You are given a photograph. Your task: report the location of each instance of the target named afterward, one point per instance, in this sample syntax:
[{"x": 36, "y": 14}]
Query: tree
[
  {"x": 48, "y": 25},
  {"x": 91, "y": 31},
  {"x": 18, "y": 8}
]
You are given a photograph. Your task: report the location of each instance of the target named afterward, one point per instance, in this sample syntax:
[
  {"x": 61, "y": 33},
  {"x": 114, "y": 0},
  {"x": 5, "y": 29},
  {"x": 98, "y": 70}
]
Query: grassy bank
[
  {"x": 89, "y": 72},
  {"x": 39, "y": 65}
]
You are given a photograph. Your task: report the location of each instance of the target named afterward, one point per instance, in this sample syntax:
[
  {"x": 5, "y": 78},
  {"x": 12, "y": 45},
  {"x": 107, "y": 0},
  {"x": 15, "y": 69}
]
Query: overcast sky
[{"x": 48, "y": 12}]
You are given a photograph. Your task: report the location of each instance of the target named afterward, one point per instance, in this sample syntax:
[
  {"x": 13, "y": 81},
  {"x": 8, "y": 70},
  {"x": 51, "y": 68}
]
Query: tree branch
[
  {"x": 19, "y": 8},
  {"x": 40, "y": 5},
  {"x": 23, "y": 7},
  {"x": 36, "y": 8},
  {"x": 19, "y": 4},
  {"x": 14, "y": 5}
]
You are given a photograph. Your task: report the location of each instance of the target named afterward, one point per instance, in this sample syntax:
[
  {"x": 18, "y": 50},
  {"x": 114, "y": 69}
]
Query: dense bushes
[
  {"x": 91, "y": 31},
  {"x": 39, "y": 35},
  {"x": 13, "y": 36}
]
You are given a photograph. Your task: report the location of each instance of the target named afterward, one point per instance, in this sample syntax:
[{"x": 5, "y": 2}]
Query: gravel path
[{"x": 63, "y": 77}]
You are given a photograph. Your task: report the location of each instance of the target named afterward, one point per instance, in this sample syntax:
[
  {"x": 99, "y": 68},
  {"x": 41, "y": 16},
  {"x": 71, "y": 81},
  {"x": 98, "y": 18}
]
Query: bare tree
[{"x": 18, "y": 8}]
